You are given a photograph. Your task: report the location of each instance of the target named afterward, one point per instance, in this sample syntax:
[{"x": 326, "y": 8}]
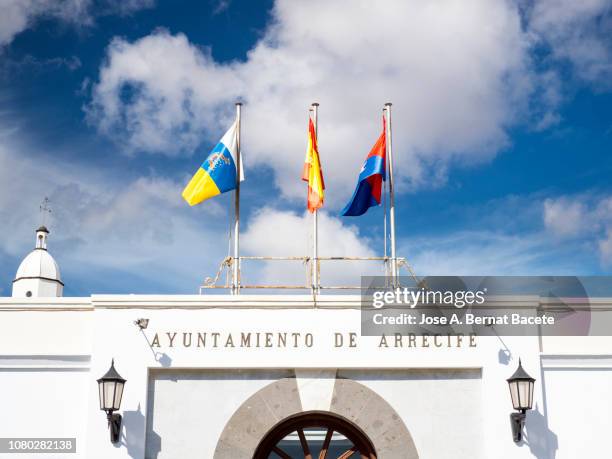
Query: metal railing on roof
[{"x": 211, "y": 283}]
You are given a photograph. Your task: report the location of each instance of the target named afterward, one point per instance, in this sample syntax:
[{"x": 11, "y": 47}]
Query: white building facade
[
  {"x": 217, "y": 376},
  {"x": 211, "y": 375}
]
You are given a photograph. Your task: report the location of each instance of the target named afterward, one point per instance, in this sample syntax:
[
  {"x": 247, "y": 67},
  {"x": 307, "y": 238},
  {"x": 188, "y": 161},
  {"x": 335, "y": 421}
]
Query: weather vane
[{"x": 45, "y": 209}]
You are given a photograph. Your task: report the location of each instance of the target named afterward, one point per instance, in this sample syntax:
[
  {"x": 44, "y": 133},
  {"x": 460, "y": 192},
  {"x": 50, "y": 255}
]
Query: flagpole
[
  {"x": 315, "y": 215},
  {"x": 385, "y": 186},
  {"x": 236, "y": 264},
  {"x": 389, "y": 146}
]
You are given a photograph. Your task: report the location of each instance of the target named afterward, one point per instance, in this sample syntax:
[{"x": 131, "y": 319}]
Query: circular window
[
  {"x": 315, "y": 435},
  {"x": 28, "y": 294}
]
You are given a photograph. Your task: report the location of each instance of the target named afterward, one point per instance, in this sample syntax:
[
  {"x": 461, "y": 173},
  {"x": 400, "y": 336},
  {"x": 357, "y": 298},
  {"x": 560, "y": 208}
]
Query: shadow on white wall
[
  {"x": 134, "y": 436},
  {"x": 543, "y": 442}
]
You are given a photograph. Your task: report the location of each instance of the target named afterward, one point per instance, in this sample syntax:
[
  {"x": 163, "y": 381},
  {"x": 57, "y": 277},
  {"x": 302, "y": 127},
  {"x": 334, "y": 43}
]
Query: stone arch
[{"x": 281, "y": 399}]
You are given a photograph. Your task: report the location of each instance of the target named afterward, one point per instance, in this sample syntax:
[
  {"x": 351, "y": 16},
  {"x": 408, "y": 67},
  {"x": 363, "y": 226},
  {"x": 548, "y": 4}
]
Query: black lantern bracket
[
  {"x": 114, "y": 425},
  {"x": 517, "y": 421}
]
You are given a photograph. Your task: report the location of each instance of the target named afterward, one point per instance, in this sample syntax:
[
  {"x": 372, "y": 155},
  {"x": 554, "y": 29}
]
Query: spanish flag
[{"x": 312, "y": 171}]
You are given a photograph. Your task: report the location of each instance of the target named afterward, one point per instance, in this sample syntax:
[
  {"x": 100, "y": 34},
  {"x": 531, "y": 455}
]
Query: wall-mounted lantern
[
  {"x": 110, "y": 388},
  {"x": 142, "y": 323},
  {"x": 521, "y": 391}
]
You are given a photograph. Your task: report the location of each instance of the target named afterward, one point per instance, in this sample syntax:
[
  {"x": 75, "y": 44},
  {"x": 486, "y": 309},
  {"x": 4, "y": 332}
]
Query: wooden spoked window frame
[{"x": 325, "y": 421}]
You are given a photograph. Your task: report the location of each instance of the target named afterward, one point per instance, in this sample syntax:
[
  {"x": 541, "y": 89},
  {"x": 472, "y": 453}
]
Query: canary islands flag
[
  {"x": 369, "y": 184},
  {"x": 312, "y": 171},
  {"x": 217, "y": 174}
]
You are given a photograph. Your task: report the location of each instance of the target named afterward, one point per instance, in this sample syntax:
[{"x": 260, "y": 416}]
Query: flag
[
  {"x": 217, "y": 174},
  {"x": 312, "y": 171},
  {"x": 369, "y": 184}
]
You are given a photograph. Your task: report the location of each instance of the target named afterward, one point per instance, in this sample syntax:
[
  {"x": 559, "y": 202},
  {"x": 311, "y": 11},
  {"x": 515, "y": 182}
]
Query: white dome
[
  {"x": 38, "y": 264},
  {"x": 38, "y": 274}
]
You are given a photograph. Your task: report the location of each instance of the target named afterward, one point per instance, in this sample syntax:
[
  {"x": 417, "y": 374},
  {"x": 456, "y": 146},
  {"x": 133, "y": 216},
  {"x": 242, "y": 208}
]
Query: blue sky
[{"x": 502, "y": 134}]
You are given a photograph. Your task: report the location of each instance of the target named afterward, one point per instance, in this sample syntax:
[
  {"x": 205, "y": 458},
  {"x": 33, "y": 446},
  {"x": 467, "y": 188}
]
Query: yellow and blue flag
[{"x": 217, "y": 174}]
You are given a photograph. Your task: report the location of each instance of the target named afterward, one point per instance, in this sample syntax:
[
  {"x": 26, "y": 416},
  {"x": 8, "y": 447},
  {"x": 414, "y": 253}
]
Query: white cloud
[
  {"x": 577, "y": 32},
  {"x": 167, "y": 106},
  {"x": 566, "y": 217},
  {"x": 487, "y": 253},
  {"x": 457, "y": 73},
  {"x": 605, "y": 248},
  {"x": 123, "y": 7},
  {"x": 587, "y": 217},
  {"x": 273, "y": 232},
  {"x": 18, "y": 15},
  {"x": 221, "y": 6},
  {"x": 578, "y": 215}
]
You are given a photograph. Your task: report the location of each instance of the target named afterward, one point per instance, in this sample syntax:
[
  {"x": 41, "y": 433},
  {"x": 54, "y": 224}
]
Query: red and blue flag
[{"x": 371, "y": 176}]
